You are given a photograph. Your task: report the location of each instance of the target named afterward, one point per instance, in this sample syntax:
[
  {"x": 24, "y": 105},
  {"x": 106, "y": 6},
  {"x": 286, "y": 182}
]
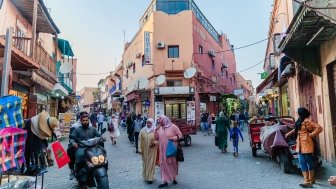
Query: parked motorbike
[
  {"x": 91, "y": 163},
  {"x": 294, "y": 155}
]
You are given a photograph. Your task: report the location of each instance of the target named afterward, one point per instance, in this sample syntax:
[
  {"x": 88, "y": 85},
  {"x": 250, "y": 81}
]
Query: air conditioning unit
[
  {"x": 138, "y": 55},
  {"x": 160, "y": 45},
  {"x": 224, "y": 66},
  {"x": 211, "y": 53}
]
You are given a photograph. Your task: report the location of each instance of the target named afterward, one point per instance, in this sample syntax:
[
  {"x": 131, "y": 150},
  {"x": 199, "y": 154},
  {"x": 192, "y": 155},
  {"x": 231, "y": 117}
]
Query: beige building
[
  {"x": 302, "y": 64},
  {"x": 169, "y": 42},
  {"x": 244, "y": 87},
  {"x": 34, "y": 54},
  {"x": 87, "y": 98}
]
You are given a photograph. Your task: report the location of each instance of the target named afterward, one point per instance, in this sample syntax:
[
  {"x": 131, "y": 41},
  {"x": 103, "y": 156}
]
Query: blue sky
[{"x": 95, "y": 30}]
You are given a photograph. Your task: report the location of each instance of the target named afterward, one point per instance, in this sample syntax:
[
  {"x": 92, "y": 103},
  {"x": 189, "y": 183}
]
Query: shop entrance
[{"x": 176, "y": 109}]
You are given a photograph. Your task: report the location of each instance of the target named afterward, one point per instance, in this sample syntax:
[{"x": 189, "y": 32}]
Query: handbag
[
  {"x": 171, "y": 149},
  {"x": 111, "y": 127},
  {"x": 216, "y": 140},
  {"x": 179, "y": 152}
]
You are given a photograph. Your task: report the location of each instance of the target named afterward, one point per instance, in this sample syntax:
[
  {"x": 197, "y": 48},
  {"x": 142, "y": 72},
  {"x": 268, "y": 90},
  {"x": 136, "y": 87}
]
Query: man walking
[
  {"x": 100, "y": 119},
  {"x": 138, "y": 124},
  {"x": 242, "y": 120},
  {"x": 204, "y": 123}
]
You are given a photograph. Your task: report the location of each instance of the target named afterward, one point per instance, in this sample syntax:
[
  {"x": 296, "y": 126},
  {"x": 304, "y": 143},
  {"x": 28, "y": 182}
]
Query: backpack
[{"x": 111, "y": 127}]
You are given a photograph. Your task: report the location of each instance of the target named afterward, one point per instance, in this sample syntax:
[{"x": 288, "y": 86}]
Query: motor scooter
[{"x": 91, "y": 163}]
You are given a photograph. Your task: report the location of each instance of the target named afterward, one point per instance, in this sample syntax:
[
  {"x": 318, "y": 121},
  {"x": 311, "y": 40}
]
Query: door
[
  {"x": 331, "y": 69},
  {"x": 307, "y": 92}
]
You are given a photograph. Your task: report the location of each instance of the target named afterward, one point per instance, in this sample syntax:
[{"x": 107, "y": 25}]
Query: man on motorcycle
[{"x": 83, "y": 132}]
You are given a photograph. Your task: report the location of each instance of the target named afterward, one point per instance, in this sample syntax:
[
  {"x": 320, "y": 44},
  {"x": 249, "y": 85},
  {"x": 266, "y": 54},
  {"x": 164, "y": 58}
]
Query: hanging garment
[
  {"x": 11, "y": 112},
  {"x": 12, "y": 148}
]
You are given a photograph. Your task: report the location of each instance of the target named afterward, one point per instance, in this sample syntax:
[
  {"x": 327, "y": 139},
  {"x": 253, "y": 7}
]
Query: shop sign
[
  {"x": 147, "y": 103},
  {"x": 78, "y": 97},
  {"x": 191, "y": 111},
  {"x": 264, "y": 75},
  {"x": 159, "y": 109},
  {"x": 147, "y": 54},
  {"x": 238, "y": 91},
  {"x": 213, "y": 98}
]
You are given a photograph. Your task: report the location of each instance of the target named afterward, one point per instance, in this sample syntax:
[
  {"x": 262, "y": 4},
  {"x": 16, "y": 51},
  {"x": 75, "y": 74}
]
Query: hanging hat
[
  {"x": 43, "y": 125},
  {"x": 47, "y": 124},
  {"x": 35, "y": 129}
]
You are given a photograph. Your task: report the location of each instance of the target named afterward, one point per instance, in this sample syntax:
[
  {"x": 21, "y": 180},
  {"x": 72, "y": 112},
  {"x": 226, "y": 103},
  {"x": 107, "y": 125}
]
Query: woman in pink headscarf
[{"x": 168, "y": 165}]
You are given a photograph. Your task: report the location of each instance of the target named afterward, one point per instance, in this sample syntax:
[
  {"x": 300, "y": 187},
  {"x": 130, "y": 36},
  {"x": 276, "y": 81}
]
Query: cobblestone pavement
[{"x": 204, "y": 167}]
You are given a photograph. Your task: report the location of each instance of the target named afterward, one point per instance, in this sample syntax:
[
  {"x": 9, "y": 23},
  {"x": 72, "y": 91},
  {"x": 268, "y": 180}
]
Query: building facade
[
  {"x": 244, "y": 87},
  {"x": 301, "y": 64},
  {"x": 88, "y": 98},
  {"x": 177, "y": 64},
  {"x": 34, "y": 53}
]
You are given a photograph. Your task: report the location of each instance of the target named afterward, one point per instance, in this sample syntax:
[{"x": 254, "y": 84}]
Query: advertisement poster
[
  {"x": 191, "y": 111},
  {"x": 159, "y": 109},
  {"x": 203, "y": 107},
  {"x": 65, "y": 122}
]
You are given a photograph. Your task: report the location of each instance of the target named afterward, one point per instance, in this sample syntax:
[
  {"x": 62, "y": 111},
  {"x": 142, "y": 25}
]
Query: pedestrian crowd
[{"x": 155, "y": 139}]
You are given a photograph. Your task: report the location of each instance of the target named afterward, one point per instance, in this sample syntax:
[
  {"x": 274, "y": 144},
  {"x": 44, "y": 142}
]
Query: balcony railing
[{"x": 42, "y": 57}]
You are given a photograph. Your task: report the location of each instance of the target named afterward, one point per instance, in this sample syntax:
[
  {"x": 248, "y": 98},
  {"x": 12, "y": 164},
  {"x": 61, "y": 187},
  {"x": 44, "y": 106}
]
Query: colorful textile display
[
  {"x": 12, "y": 147},
  {"x": 60, "y": 154},
  {"x": 11, "y": 112}
]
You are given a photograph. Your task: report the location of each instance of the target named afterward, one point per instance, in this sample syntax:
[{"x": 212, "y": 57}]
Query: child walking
[{"x": 234, "y": 137}]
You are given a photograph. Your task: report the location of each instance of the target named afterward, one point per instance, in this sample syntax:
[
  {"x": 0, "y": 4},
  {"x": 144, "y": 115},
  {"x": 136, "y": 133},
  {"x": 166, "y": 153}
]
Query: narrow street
[{"x": 204, "y": 167}]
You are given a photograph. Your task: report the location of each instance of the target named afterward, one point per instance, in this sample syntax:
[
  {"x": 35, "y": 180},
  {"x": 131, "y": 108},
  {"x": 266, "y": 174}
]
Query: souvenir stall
[{"x": 25, "y": 154}]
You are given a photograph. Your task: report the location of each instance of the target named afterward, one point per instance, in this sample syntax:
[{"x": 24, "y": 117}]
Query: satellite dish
[
  {"x": 142, "y": 83},
  {"x": 190, "y": 73},
  {"x": 160, "y": 79},
  {"x": 65, "y": 68},
  {"x": 130, "y": 88}
]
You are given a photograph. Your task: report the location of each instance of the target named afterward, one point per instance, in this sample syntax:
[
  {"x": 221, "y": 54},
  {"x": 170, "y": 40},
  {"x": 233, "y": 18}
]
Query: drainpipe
[{"x": 33, "y": 41}]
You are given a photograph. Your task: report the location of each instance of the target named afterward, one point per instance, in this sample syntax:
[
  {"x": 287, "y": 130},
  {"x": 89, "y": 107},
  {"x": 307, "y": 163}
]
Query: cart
[
  {"x": 256, "y": 124},
  {"x": 187, "y": 129}
]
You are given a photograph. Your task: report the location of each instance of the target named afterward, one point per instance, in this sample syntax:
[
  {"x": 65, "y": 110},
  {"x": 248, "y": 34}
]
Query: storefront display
[
  {"x": 65, "y": 122},
  {"x": 24, "y": 98},
  {"x": 176, "y": 109}
]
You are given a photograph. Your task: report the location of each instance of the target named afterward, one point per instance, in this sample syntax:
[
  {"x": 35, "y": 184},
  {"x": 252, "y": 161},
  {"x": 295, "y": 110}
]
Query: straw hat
[{"x": 43, "y": 125}]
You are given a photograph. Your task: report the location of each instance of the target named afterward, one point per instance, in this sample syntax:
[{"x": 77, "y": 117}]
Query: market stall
[{"x": 25, "y": 153}]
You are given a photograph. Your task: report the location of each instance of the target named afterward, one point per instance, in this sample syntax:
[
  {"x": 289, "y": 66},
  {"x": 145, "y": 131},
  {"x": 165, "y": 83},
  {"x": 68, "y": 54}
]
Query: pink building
[{"x": 175, "y": 36}]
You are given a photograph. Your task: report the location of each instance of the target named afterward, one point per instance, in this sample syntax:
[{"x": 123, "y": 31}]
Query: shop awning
[
  {"x": 45, "y": 23},
  {"x": 270, "y": 80},
  {"x": 307, "y": 31},
  {"x": 59, "y": 90},
  {"x": 308, "y": 28},
  {"x": 65, "y": 47}
]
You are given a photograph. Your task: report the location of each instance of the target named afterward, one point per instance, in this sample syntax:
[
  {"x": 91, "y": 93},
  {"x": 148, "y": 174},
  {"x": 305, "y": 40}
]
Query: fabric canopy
[{"x": 65, "y": 47}]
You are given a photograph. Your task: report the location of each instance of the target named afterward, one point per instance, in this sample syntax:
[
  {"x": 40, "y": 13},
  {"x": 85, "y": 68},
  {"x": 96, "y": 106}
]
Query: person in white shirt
[{"x": 100, "y": 119}]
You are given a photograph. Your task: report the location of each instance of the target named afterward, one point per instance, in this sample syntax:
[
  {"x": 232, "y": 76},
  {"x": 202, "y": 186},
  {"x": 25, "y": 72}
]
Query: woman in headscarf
[
  {"x": 305, "y": 130},
  {"x": 222, "y": 130},
  {"x": 168, "y": 165},
  {"x": 148, "y": 150}
]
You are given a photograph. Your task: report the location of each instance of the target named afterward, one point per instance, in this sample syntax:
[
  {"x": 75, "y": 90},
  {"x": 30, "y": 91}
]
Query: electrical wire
[
  {"x": 242, "y": 47},
  {"x": 252, "y": 66}
]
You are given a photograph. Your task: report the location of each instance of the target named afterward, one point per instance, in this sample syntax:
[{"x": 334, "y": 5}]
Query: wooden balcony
[{"x": 42, "y": 58}]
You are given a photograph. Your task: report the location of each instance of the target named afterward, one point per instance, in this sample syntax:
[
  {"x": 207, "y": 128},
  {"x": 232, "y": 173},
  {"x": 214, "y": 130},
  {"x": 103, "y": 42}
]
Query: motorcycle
[
  {"x": 294, "y": 155},
  {"x": 91, "y": 163}
]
